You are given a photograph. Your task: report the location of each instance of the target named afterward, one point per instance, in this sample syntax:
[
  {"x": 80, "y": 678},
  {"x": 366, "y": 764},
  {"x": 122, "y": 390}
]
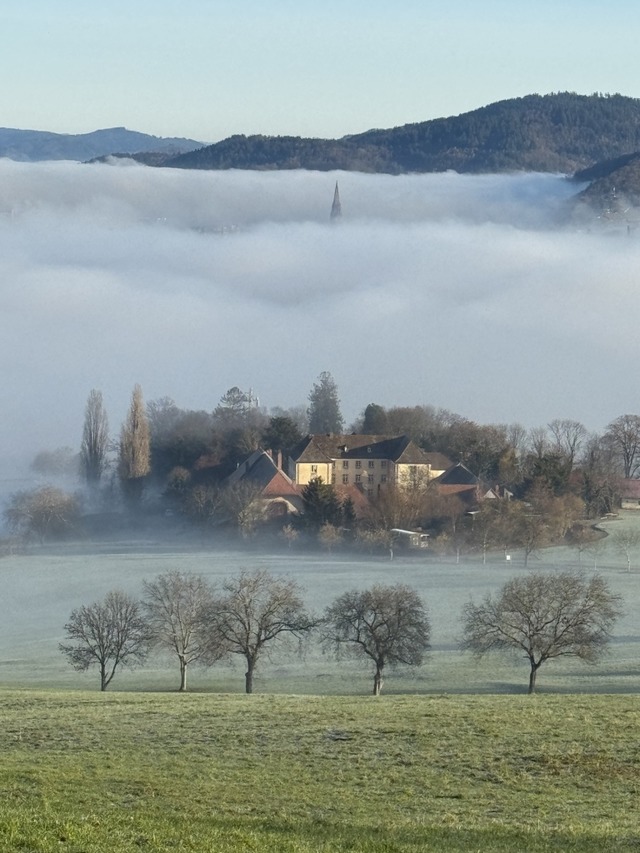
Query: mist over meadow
[{"x": 465, "y": 292}]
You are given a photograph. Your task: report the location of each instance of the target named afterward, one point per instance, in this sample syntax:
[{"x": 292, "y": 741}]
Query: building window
[
  {"x": 333, "y": 477},
  {"x": 383, "y": 478},
  {"x": 370, "y": 493},
  {"x": 314, "y": 469},
  {"x": 345, "y": 478},
  {"x": 358, "y": 464},
  {"x": 345, "y": 464},
  {"x": 370, "y": 478},
  {"x": 383, "y": 464},
  {"x": 358, "y": 478},
  {"x": 372, "y": 464}
]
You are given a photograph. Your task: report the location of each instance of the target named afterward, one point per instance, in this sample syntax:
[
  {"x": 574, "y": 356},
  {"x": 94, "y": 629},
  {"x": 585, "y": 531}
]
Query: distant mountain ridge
[
  {"x": 36, "y": 145},
  {"x": 560, "y": 132}
]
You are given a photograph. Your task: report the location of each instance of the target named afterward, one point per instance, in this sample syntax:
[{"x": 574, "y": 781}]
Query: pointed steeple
[{"x": 336, "y": 207}]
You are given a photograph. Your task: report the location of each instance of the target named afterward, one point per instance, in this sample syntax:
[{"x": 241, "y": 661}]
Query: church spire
[{"x": 336, "y": 207}]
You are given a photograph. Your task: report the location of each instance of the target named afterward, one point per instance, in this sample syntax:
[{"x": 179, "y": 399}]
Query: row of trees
[
  {"x": 160, "y": 437},
  {"x": 542, "y": 615},
  {"x": 182, "y": 614},
  {"x": 559, "y": 471}
]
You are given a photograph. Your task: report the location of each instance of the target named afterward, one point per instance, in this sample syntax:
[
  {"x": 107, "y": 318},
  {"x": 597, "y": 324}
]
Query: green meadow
[
  {"x": 92, "y": 773},
  {"x": 453, "y": 756}
]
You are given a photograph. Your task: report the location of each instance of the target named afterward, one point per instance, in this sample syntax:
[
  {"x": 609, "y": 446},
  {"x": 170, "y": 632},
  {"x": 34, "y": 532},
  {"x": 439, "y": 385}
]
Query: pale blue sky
[{"x": 210, "y": 68}]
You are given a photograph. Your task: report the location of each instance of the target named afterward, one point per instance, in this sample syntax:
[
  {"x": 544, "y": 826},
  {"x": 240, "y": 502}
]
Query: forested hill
[{"x": 560, "y": 132}]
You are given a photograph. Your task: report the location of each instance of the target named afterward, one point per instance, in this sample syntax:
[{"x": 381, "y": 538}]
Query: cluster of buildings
[{"x": 357, "y": 466}]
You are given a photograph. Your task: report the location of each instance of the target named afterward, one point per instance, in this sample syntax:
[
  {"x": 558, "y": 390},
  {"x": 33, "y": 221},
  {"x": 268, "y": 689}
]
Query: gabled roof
[
  {"x": 325, "y": 448},
  {"x": 261, "y": 471},
  {"x": 457, "y": 475},
  {"x": 438, "y": 461},
  {"x": 316, "y": 448},
  {"x": 361, "y": 502}
]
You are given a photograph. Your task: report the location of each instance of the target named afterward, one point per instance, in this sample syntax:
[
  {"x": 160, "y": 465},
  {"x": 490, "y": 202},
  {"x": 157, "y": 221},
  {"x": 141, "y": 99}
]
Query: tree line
[
  {"x": 542, "y": 615},
  {"x": 168, "y": 460},
  {"x": 558, "y": 132}
]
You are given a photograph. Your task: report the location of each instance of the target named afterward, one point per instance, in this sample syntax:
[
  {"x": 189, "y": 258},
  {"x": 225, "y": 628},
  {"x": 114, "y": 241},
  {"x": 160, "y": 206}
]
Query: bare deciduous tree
[
  {"x": 108, "y": 634},
  {"x": 626, "y": 542},
  {"x": 44, "y": 512},
  {"x": 257, "y": 609},
  {"x": 545, "y": 616},
  {"x": 387, "y": 624},
  {"x": 95, "y": 439},
  {"x": 176, "y": 605},
  {"x": 329, "y": 536},
  {"x": 568, "y": 437},
  {"x": 624, "y": 436}
]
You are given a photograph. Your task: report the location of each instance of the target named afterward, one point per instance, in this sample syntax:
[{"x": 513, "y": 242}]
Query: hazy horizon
[{"x": 463, "y": 292}]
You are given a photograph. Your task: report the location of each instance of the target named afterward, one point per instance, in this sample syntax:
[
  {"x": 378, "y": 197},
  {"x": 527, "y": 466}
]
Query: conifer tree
[{"x": 324, "y": 406}]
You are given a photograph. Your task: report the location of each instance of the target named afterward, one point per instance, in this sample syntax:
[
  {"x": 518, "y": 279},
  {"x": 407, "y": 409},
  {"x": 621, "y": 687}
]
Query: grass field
[
  {"x": 39, "y": 590},
  {"x": 118, "y": 772}
]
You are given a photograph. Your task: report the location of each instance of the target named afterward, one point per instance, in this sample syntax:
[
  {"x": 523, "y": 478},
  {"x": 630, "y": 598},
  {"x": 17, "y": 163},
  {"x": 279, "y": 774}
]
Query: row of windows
[
  {"x": 345, "y": 478},
  {"x": 358, "y": 464},
  {"x": 345, "y": 464}
]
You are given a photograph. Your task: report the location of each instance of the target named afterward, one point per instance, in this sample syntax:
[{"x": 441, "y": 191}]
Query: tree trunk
[
  {"x": 183, "y": 675},
  {"x": 103, "y": 677},
  {"x": 248, "y": 678},
  {"x": 377, "y": 681},
  {"x": 532, "y": 677}
]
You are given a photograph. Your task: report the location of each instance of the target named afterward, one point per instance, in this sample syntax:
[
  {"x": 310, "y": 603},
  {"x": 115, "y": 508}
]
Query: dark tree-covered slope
[
  {"x": 614, "y": 188},
  {"x": 560, "y": 132}
]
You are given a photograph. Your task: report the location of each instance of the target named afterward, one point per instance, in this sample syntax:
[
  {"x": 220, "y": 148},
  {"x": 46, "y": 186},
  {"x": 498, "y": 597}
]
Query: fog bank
[{"x": 465, "y": 292}]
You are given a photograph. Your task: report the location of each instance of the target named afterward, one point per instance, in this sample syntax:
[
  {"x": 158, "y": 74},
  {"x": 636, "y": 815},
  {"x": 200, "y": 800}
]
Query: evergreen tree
[
  {"x": 324, "y": 406},
  {"x": 321, "y": 505},
  {"x": 374, "y": 420}
]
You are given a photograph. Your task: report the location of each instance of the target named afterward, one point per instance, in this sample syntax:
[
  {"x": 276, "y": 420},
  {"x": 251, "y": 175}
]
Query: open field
[
  {"x": 40, "y": 589},
  {"x": 119, "y": 772}
]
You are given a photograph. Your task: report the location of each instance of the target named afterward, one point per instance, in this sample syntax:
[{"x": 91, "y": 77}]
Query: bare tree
[
  {"x": 108, "y": 634},
  {"x": 257, "y": 609},
  {"x": 538, "y": 442},
  {"x": 176, "y": 605},
  {"x": 46, "y": 512},
  {"x": 387, "y": 624},
  {"x": 329, "y": 536},
  {"x": 95, "y": 439},
  {"x": 61, "y": 462},
  {"x": 134, "y": 462},
  {"x": 568, "y": 438},
  {"x": 241, "y": 504},
  {"x": 545, "y": 616},
  {"x": 626, "y": 542},
  {"x": 624, "y": 436}
]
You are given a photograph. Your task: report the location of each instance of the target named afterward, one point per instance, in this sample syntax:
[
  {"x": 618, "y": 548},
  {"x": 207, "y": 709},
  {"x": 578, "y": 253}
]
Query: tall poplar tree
[
  {"x": 95, "y": 439},
  {"x": 324, "y": 406},
  {"x": 134, "y": 463}
]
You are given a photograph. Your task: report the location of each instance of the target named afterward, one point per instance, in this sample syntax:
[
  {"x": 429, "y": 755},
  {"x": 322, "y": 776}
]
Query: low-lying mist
[{"x": 466, "y": 292}]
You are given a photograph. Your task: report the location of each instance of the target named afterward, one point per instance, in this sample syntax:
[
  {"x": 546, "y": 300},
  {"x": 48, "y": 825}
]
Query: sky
[
  {"x": 207, "y": 70},
  {"x": 458, "y": 291}
]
